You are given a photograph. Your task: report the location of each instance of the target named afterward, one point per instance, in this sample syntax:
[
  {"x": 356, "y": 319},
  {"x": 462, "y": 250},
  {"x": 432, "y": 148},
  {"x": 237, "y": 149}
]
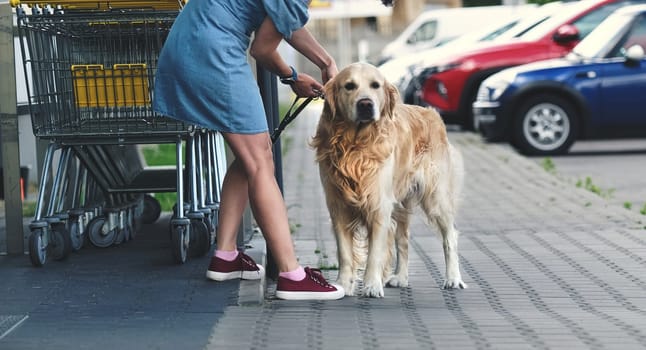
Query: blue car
[{"x": 596, "y": 91}]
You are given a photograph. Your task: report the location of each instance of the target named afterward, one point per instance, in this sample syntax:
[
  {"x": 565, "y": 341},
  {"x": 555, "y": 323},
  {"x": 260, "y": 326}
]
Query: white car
[
  {"x": 437, "y": 26},
  {"x": 401, "y": 70}
]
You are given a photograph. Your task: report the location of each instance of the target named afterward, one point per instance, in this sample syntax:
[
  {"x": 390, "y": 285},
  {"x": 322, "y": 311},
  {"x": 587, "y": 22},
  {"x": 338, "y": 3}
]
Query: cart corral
[{"x": 91, "y": 67}]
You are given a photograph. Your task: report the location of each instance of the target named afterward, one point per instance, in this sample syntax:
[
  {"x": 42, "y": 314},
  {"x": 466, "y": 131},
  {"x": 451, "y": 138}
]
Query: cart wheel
[
  {"x": 152, "y": 210},
  {"x": 170, "y": 222},
  {"x": 75, "y": 234},
  {"x": 127, "y": 232},
  {"x": 97, "y": 232},
  {"x": 131, "y": 225},
  {"x": 199, "y": 238},
  {"x": 213, "y": 226},
  {"x": 180, "y": 241},
  {"x": 211, "y": 231},
  {"x": 60, "y": 244},
  {"x": 120, "y": 237},
  {"x": 37, "y": 248}
]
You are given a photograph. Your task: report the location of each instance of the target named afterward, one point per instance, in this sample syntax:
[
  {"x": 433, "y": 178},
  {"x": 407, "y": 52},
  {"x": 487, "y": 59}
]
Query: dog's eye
[
  {"x": 375, "y": 85},
  {"x": 350, "y": 86}
]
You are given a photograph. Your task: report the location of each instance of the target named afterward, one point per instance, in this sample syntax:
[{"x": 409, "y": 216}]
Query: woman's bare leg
[
  {"x": 251, "y": 177},
  {"x": 233, "y": 201}
]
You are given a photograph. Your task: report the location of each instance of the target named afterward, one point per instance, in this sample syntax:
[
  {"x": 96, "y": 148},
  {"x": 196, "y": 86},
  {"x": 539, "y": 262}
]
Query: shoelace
[
  {"x": 317, "y": 276},
  {"x": 248, "y": 261}
]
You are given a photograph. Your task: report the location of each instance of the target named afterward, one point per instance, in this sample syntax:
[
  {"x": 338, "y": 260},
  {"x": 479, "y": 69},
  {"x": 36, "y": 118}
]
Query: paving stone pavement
[{"x": 549, "y": 266}]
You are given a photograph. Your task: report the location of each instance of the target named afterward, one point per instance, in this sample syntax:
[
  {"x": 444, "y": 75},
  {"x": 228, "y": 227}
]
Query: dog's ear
[
  {"x": 329, "y": 106},
  {"x": 392, "y": 98}
]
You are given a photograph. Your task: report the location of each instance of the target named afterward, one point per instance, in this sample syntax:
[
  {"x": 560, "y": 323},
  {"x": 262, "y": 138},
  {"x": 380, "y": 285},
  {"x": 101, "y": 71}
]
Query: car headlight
[
  {"x": 448, "y": 66},
  {"x": 442, "y": 90},
  {"x": 421, "y": 73},
  {"x": 405, "y": 79},
  {"x": 493, "y": 87}
]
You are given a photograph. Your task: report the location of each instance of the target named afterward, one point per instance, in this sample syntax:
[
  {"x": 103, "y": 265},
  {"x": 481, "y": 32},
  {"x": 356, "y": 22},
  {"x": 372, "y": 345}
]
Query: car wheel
[
  {"x": 545, "y": 125},
  {"x": 468, "y": 122}
]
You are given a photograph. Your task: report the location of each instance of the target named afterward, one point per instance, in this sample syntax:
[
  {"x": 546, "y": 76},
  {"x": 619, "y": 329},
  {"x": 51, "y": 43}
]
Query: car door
[{"x": 623, "y": 81}]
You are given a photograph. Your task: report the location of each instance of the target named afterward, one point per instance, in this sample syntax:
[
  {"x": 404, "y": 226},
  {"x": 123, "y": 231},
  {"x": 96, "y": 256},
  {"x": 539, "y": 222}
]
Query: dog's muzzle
[{"x": 365, "y": 110}]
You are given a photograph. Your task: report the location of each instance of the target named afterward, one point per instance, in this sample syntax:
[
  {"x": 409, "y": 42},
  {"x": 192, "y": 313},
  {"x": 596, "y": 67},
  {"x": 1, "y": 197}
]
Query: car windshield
[
  {"x": 483, "y": 34},
  {"x": 530, "y": 21},
  {"x": 603, "y": 38},
  {"x": 544, "y": 27},
  {"x": 584, "y": 24},
  {"x": 509, "y": 27}
]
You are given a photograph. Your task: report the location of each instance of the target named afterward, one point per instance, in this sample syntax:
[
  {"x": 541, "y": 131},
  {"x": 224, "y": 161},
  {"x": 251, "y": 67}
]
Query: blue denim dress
[{"x": 203, "y": 76}]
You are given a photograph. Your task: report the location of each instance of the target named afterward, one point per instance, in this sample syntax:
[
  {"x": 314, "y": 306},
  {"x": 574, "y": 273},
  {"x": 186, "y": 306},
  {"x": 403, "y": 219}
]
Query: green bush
[{"x": 160, "y": 155}]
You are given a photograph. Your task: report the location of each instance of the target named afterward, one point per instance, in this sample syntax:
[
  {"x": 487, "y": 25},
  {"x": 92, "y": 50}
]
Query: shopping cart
[{"x": 91, "y": 68}]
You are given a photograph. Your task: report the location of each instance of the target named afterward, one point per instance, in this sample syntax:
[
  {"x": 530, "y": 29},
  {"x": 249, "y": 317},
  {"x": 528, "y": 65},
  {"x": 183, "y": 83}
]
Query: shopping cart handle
[
  {"x": 129, "y": 66},
  {"x": 76, "y": 67}
]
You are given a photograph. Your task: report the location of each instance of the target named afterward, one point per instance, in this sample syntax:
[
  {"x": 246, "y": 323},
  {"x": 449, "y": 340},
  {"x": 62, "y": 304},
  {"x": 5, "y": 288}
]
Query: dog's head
[{"x": 360, "y": 94}]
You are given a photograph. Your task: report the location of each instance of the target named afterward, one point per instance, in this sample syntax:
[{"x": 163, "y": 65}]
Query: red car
[{"x": 450, "y": 83}]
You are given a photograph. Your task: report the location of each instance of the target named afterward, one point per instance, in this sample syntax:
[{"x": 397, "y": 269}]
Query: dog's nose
[{"x": 365, "y": 110}]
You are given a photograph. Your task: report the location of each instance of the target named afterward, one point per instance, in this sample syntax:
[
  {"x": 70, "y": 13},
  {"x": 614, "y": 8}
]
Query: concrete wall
[{"x": 26, "y": 137}]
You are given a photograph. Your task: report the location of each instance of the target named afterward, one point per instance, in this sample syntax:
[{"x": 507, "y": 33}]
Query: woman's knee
[
  {"x": 253, "y": 153},
  {"x": 256, "y": 164}
]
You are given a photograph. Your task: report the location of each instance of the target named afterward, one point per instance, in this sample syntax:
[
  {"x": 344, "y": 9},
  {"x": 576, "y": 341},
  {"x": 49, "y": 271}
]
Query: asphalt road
[{"x": 616, "y": 167}]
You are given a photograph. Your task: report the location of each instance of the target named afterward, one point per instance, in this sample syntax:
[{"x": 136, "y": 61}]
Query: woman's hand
[
  {"x": 329, "y": 71},
  {"x": 306, "y": 86}
]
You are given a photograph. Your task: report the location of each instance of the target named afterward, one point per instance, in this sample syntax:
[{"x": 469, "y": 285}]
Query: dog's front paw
[
  {"x": 348, "y": 285},
  {"x": 398, "y": 281},
  {"x": 454, "y": 283},
  {"x": 373, "y": 290}
]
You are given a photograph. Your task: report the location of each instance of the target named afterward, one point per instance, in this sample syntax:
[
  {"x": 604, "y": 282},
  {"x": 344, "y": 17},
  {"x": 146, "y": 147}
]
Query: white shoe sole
[
  {"x": 245, "y": 275},
  {"x": 338, "y": 294}
]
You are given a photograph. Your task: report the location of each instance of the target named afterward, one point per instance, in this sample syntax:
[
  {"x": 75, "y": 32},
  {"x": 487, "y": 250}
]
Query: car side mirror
[
  {"x": 566, "y": 33},
  {"x": 634, "y": 53}
]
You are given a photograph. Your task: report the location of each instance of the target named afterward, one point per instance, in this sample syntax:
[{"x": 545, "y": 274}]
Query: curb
[{"x": 252, "y": 292}]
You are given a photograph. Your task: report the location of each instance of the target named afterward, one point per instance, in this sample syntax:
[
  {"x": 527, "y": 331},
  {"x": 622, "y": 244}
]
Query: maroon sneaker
[
  {"x": 241, "y": 267},
  {"x": 312, "y": 287}
]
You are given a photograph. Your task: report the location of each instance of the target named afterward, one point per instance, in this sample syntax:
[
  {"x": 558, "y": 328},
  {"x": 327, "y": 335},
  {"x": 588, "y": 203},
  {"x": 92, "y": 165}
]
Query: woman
[{"x": 203, "y": 77}]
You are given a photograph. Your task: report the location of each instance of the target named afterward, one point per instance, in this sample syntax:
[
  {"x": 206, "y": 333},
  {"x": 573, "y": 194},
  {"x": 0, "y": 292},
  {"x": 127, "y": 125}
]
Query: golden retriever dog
[{"x": 378, "y": 159}]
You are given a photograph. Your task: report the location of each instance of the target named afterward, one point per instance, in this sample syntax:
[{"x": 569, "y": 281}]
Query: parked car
[
  {"x": 397, "y": 68},
  {"x": 437, "y": 26},
  {"x": 596, "y": 91},
  {"x": 451, "y": 83},
  {"x": 402, "y": 69}
]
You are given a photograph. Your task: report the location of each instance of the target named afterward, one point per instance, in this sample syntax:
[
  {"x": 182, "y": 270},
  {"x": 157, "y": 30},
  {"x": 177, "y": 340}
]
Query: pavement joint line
[
  {"x": 14, "y": 327},
  {"x": 252, "y": 292},
  {"x": 520, "y": 325},
  {"x": 469, "y": 325},
  {"x": 541, "y": 305}
]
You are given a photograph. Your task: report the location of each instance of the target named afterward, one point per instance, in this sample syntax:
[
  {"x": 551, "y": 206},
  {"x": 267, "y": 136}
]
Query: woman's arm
[
  {"x": 264, "y": 50},
  {"x": 303, "y": 41}
]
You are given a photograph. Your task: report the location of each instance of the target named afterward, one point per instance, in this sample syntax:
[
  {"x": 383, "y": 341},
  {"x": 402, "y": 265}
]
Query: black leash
[{"x": 290, "y": 116}]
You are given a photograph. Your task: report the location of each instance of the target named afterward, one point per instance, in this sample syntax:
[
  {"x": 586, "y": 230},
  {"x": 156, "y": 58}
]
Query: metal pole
[
  {"x": 9, "y": 135},
  {"x": 269, "y": 92}
]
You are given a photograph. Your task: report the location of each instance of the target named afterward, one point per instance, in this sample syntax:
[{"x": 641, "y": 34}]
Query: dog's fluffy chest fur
[{"x": 359, "y": 159}]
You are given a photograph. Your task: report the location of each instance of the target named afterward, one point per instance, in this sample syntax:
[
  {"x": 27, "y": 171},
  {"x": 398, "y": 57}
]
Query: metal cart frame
[{"x": 92, "y": 70}]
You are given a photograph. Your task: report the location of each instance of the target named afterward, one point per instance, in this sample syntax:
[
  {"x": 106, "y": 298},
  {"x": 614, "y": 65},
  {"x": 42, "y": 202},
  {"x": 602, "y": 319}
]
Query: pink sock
[
  {"x": 296, "y": 275},
  {"x": 228, "y": 255}
]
